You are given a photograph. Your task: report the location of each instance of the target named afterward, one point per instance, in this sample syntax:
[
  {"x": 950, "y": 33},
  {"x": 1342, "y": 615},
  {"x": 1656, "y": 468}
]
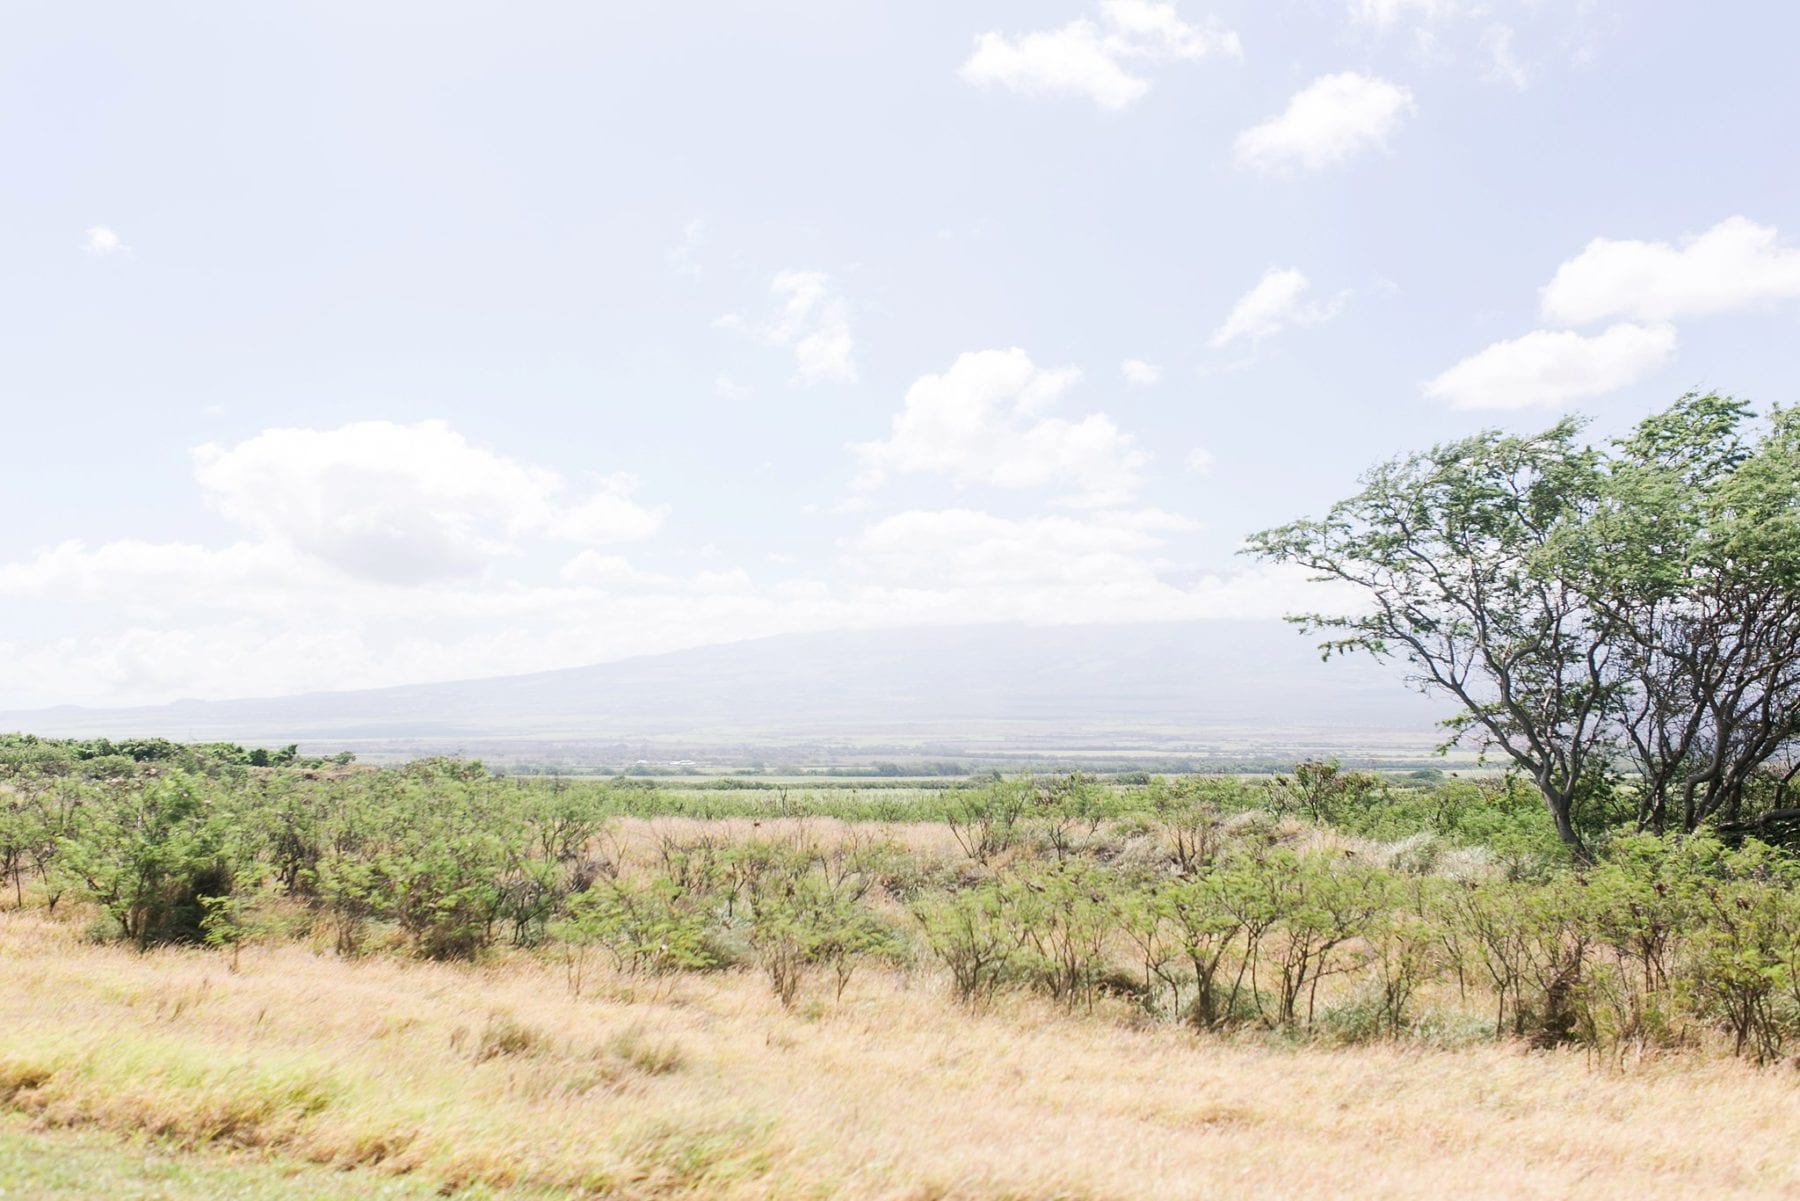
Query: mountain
[{"x": 1220, "y": 689}]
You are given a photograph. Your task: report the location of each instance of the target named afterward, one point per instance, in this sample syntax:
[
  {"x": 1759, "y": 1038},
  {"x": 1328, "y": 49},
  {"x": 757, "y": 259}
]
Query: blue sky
[{"x": 352, "y": 344}]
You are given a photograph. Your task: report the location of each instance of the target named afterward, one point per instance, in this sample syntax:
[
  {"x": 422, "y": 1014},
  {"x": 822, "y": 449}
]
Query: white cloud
[
  {"x": 1155, "y": 31},
  {"x": 1098, "y": 61},
  {"x": 101, "y": 241},
  {"x": 156, "y": 578},
  {"x": 1328, "y": 122},
  {"x": 1072, "y": 60},
  {"x": 405, "y": 503},
  {"x": 1486, "y": 36},
  {"x": 1141, "y": 374},
  {"x": 592, "y": 568},
  {"x": 967, "y": 548},
  {"x": 732, "y": 581},
  {"x": 951, "y": 567},
  {"x": 958, "y": 565},
  {"x": 1737, "y": 264},
  {"x": 1200, "y": 460},
  {"x": 138, "y": 622},
  {"x": 1388, "y": 12},
  {"x": 813, "y": 322},
  {"x": 1503, "y": 64},
  {"x": 254, "y": 619},
  {"x": 608, "y": 514},
  {"x": 1550, "y": 367},
  {"x": 1275, "y": 303},
  {"x": 978, "y": 423},
  {"x": 726, "y": 388}
]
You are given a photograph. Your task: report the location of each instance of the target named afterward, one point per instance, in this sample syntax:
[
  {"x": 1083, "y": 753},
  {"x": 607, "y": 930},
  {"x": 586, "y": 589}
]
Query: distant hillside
[{"x": 1212, "y": 687}]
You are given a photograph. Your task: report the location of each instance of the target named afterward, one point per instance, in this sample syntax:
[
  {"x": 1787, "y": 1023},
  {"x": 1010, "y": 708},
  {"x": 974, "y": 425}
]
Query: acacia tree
[
  {"x": 1451, "y": 551},
  {"x": 1695, "y": 555},
  {"x": 1585, "y": 608}
]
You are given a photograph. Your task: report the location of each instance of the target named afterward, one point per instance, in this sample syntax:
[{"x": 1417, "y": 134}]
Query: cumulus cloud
[
  {"x": 493, "y": 589},
  {"x": 1200, "y": 460},
  {"x": 405, "y": 503},
  {"x": 1737, "y": 264},
  {"x": 979, "y": 422},
  {"x": 101, "y": 240},
  {"x": 1276, "y": 302},
  {"x": 1549, "y": 367},
  {"x": 1330, "y": 121},
  {"x": 1099, "y": 60},
  {"x": 1141, "y": 374}
]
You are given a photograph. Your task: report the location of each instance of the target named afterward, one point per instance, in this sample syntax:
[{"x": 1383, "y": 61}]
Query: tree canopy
[{"x": 1628, "y": 607}]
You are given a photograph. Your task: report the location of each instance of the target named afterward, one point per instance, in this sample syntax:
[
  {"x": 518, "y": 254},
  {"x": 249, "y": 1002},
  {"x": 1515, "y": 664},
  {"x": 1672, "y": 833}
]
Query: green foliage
[
  {"x": 1325, "y": 904},
  {"x": 105, "y": 757},
  {"x": 805, "y": 912},
  {"x": 1188, "y": 941},
  {"x": 971, "y": 934},
  {"x": 1586, "y": 607},
  {"x": 1450, "y": 548},
  {"x": 151, "y": 855},
  {"x": 645, "y": 927}
]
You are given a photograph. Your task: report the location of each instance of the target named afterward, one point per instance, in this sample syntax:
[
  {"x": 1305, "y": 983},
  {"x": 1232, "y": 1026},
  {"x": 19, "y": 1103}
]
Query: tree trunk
[{"x": 1558, "y": 805}]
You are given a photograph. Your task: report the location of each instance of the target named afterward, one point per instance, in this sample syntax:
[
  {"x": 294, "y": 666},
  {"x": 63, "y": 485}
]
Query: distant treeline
[{"x": 99, "y": 756}]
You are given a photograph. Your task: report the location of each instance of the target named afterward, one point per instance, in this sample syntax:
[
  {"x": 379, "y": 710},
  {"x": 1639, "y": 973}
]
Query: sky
[{"x": 349, "y": 344}]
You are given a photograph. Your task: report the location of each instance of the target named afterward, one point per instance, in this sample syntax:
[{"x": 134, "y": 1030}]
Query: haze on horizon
[{"x": 352, "y": 345}]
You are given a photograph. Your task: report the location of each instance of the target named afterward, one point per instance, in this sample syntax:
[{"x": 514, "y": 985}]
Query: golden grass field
[{"x": 498, "y": 1079}]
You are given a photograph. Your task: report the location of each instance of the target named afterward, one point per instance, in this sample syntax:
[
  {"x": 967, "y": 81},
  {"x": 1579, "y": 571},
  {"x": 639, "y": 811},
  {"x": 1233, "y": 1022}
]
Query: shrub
[
  {"x": 969, "y": 933},
  {"x": 150, "y": 854}
]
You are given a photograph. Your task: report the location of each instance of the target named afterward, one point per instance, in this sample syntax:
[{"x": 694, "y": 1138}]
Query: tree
[
  {"x": 151, "y": 855},
  {"x": 1450, "y": 553},
  {"x": 1586, "y": 608},
  {"x": 1695, "y": 555}
]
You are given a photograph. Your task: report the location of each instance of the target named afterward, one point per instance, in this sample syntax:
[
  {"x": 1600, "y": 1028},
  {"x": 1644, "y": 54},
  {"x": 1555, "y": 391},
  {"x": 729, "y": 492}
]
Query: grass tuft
[{"x": 506, "y": 1036}]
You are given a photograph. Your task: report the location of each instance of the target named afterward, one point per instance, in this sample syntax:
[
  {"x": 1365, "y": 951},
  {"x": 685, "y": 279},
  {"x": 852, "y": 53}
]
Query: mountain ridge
[{"x": 1171, "y": 686}]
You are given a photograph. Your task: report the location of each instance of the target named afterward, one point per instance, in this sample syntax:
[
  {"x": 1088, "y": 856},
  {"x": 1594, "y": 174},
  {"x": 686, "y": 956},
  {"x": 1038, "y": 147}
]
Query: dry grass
[
  {"x": 635, "y": 839},
  {"x": 703, "y": 1086}
]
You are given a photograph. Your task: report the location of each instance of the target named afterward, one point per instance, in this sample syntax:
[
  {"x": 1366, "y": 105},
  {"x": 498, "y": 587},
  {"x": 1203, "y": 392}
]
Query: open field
[{"x": 432, "y": 1075}]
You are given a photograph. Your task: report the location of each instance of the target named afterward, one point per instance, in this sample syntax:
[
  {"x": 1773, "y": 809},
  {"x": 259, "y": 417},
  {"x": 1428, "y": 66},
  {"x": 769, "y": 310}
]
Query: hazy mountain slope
[{"x": 1136, "y": 685}]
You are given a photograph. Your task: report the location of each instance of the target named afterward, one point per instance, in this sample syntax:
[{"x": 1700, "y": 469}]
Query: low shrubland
[
  {"x": 1325, "y": 905},
  {"x": 1034, "y": 987}
]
